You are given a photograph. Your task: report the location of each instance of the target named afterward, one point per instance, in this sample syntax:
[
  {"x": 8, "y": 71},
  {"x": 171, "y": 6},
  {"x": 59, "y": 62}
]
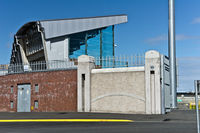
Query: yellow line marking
[{"x": 67, "y": 120}]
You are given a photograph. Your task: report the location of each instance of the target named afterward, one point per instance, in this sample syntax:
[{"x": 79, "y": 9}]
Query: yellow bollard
[
  {"x": 193, "y": 105},
  {"x": 190, "y": 105}
]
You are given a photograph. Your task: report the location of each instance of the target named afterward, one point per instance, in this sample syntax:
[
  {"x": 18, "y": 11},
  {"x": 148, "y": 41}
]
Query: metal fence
[
  {"x": 100, "y": 62},
  {"x": 39, "y": 66},
  {"x": 120, "y": 61}
]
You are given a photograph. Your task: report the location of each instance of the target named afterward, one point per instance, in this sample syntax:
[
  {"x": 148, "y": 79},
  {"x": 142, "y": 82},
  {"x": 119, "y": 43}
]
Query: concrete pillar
[
  {"x": 23, "y": 56},
  {"x": 85, "y": 65},
  {"x": 152, "y": 82}
]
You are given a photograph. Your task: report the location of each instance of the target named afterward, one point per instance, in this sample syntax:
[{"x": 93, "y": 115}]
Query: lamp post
[
  {"x": 172, "y": 52},
  {"x": 196, "y": 86}
]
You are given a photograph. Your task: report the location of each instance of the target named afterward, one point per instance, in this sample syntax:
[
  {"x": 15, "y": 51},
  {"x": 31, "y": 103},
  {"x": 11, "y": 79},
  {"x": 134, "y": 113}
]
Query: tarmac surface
[{"x": 178, "y": 121}]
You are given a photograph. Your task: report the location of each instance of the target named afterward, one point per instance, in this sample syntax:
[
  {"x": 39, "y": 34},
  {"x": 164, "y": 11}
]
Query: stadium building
[
  {"x": 65, "y": 39},
  {"x": 70, "y": 65}
]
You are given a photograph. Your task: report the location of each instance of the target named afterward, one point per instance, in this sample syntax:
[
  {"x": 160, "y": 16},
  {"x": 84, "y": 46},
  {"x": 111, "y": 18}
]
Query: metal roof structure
[
  {"x": 62, "y": 27},
  {"x": 59, "y": 39}
]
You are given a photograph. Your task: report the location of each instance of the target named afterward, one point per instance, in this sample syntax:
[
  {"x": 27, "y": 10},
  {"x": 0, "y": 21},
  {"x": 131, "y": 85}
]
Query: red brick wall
[{"x": 57, "y": 90}]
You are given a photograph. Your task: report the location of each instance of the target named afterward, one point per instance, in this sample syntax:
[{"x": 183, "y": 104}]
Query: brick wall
[{"x": 57, "y": 90}]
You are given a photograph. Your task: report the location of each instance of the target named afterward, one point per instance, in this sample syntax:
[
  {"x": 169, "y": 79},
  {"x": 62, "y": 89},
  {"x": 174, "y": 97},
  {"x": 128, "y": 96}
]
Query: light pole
[
  {"x": 172, "y": 52},
  {"x": 196, "y": 86}
]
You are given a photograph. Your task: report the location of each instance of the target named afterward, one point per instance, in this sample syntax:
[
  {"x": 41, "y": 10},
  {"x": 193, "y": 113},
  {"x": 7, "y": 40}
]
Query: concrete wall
[
  {"x": 85, "y": 65},
  {"x": 119, "y": 90},
  {"x": 123, "y": 90},
  {"x": 153, "y": 82},
  {"x": 57, "y": 90},
  {"x": 57, "y": 48}
]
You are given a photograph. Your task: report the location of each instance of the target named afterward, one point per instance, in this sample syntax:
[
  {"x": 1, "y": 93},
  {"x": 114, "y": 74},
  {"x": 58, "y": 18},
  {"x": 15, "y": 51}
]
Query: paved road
[
  {"x": 175, "y": 122},
  {"x": 135, "y": 127}
]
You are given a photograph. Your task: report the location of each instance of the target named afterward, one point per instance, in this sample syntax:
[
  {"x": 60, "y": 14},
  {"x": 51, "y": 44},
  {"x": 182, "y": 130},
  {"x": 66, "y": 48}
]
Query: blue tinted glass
[
  {"x": 93, "y": 42},
  {"x": 77, "y": 45},
  {"x": 78, "y": 52},
  {"x": 107, "y": 40},
  {"x": 107, "y": 46}
]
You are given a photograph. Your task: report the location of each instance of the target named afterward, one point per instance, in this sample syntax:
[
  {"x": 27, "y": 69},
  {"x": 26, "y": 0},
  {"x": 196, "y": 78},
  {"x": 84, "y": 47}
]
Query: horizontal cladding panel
[{"x": 65, "y": 27}]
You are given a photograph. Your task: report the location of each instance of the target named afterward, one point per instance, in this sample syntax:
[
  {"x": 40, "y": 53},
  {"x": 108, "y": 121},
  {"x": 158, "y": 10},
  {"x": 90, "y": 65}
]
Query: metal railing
[
  {"x": 39, "y": 66},
  {"x": 120, "y": 61},
  {"x": 100, "y": 62}
]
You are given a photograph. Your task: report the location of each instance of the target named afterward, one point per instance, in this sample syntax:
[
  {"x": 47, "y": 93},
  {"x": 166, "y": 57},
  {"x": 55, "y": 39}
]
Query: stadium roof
[{"x": 61, "y": 27}]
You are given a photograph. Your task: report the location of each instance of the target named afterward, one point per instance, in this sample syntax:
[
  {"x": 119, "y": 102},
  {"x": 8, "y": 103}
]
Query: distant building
[
  {"x": 64, "y": 39},
  {"x": 3, "y": 69}
]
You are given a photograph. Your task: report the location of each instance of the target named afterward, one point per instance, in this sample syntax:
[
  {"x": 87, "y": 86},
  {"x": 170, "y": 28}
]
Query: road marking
[
  {"x": 164, "y": 121},
  {"x": 67, "y": 120}
]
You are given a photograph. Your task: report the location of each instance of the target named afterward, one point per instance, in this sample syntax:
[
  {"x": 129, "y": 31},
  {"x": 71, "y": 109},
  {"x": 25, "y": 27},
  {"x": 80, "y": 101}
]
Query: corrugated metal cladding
[{"x": 55, "y": 28}]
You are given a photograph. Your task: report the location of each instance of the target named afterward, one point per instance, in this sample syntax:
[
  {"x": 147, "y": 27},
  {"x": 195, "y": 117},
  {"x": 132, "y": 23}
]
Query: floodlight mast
[{"x": 172, "y": 52}]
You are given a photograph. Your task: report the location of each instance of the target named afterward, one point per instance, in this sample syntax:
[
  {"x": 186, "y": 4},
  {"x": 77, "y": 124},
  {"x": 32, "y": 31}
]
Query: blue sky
[{"x": 147, "y": 26}]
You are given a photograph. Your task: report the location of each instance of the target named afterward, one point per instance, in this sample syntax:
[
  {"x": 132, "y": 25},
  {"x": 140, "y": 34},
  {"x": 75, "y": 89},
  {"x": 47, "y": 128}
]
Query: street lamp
[
  {"x": 196, "y": 86},
  {"x": 172, "y": 52}
]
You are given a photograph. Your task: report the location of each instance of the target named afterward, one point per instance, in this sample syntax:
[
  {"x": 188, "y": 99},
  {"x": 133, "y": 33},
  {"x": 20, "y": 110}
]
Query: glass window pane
[
  {"x": 93, "y": 42},
  {"x": 77, "y": 45},
  {"x": 11, "y": 104},
  {"x": 36, "y": 104},
  {"x": 107, "y": 46},
  {"x": 36, "y": 88},
  {"x": 107, "y": 40},
  {"x": 11, "y": 89}
]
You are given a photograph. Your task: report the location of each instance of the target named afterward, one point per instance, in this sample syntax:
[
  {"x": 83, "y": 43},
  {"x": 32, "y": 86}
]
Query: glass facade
[
  {"x": 93, "y": 44},
  {"x": 107, "y": 42},
  {"x": 77, "y": 45},
  {"x": 96, "y": 43}
]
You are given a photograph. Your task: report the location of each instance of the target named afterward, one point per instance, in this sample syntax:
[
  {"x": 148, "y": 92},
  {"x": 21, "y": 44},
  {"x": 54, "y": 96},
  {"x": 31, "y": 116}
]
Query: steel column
[
  {"x": 86, "y": 45},
  {"x": 196, "y": 85},
  {"x": 113, "y": 37},
  {"x": 172, "y": 52},
  {"x": 101, "y": 40}
]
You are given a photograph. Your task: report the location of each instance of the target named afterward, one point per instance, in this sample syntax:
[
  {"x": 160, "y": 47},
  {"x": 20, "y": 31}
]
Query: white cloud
[
  {"x": 185, "y": 37},
  {"x": 179, "y": 37},
  {"x": 196, "y": 21},
  {"x": 157, "y": 39},
  {"x": 189, "y": 59},
  {"x": 188, "y": 71}
]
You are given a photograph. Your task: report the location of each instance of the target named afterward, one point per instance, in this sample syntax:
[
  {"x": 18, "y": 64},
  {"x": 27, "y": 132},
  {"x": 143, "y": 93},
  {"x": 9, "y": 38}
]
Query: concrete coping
[
  {"x": 86, "y": 58},
  {"x": 124, "y": 69},
  {"x": 152, "y": 54}
]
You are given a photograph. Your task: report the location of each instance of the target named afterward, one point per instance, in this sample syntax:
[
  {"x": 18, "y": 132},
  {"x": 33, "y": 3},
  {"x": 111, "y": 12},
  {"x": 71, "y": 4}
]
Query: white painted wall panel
[{"x": 57, "y": 49}]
